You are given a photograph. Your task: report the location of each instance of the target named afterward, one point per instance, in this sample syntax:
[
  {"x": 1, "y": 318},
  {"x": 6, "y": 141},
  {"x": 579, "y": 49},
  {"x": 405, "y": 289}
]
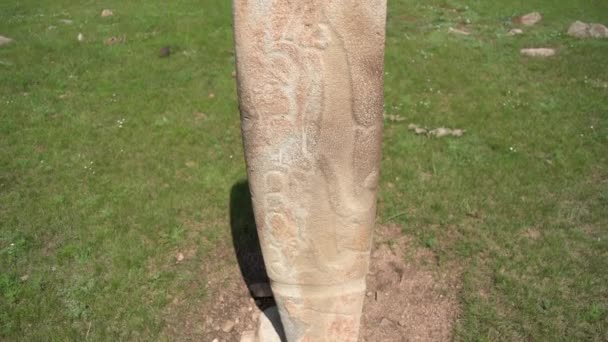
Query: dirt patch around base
[
  {"x": 226, "y": 310},
  {"x": 409, "y": 297}
]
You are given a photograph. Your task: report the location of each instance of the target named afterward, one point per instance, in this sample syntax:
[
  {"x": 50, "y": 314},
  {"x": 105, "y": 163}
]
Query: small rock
[
  {"x": 24, "y": 277},
  {"x": 515, "y": 32},
  {"x": 164, "y": 51},
  {"x": 538, "y": 52},
  {"x": 4, "y": 40},
  {"x": 227, "y": 326},
  {"x": 420, "y": 130},
  {"x": 458, "y": 31},
  {"x": 385, "y": 322},
  {"x": 107, "y": 13},
  {"x": 530, "y": 19},
  {"x": 579, "y": 29},
  {"x": 179, "y": 257},
  {"x": 441, "y": 132},
  {"x": 260, "y": 290},
  {"x": 66, "y": 21},
  {"x": 598, "y": 31},
  {"x": 248, "y": 336},
  {"x": 211, "y": 95},
  {"x": 457, "y": 132},
  {"x": 80, "y": 37},
  {"x": 215, "y": 340}
]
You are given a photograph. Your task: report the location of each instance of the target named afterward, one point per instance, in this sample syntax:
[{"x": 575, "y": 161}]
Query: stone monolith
[{"x": 310, "y": 87}]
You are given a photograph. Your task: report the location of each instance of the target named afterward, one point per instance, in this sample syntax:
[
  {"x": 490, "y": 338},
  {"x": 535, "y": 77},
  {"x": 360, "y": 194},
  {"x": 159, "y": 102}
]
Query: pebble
[
  {"x": 227, "y": 326},
  {"x": 530, "y": 19},
  {"x": 385, "y": 322},
  {"x": 515, "y": 32},
  {"x": 458, "y": 31},
  {"x": 4, "y": 40},
  {"x": 538, "y": 52},
  {"x": 179, "y": 257},
  {"x": 107, "y": 13},
  {"x": 164, "y": 51},
  {"x": 441, "y": 132},
  {"x": 248, "y": 336}
]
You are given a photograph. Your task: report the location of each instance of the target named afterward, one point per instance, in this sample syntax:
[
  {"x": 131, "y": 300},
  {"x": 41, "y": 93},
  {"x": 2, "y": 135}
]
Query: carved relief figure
[{"x": 310, "y": 94}]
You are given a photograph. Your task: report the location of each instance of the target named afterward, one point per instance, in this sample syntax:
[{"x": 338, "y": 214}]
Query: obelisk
[{"x": 310, "y": 87}]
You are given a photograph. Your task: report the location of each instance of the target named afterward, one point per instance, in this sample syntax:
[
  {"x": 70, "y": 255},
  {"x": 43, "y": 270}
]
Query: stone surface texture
[
  {"x": 538, "y": 52},
  {"x": 530, "y": 19},
  {"x": 5, "y": 40},
  {"x": 598, "y": 31},
  {"x": 270, "y": 328},
  {"x": 310, "y": 85},
  {"x": 579, "y": 29}
]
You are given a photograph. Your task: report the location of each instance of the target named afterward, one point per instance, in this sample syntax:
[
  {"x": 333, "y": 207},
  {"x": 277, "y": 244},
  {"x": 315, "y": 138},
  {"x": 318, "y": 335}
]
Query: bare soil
[{"x": 409, "y": 297}]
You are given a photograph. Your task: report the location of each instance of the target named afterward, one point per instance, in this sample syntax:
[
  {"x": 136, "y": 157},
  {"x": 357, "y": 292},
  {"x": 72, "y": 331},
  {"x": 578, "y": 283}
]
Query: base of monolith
[{"x": 269, "y": 328}]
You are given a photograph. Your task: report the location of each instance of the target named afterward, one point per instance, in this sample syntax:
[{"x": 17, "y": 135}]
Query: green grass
[{"x": 92, "y": 211}]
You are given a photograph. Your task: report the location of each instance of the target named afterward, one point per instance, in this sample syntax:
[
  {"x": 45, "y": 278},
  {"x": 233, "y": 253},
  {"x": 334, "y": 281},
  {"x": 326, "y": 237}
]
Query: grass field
[{"x": 113, "y": 159}]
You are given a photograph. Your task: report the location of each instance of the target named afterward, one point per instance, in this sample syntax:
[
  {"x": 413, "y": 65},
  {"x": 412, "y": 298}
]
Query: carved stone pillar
[{"x": 310, "y": 86}]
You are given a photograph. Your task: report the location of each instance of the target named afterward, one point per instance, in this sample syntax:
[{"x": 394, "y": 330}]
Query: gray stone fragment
[
  {"x": 538, "y": 52},
  {"x": 228, "y": 326},
  {"x": 579, "y": 29},
  {"x": 530, "y": 19},
  {"x": 5, "y": 40},
  {"x": 598, "y": 31}
]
